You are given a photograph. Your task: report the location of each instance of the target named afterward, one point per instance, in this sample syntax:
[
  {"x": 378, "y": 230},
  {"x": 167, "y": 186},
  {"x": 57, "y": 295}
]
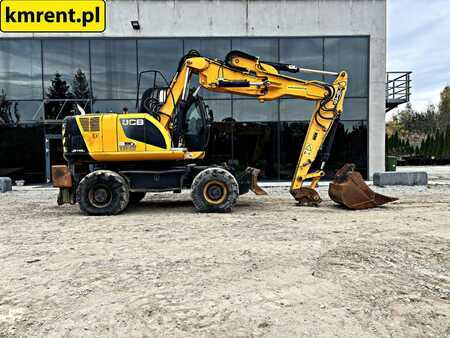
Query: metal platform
[{"x": 398, "y": 89}]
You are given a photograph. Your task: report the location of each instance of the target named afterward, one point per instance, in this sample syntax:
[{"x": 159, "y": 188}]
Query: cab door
[{"x": 196, "y": 126}]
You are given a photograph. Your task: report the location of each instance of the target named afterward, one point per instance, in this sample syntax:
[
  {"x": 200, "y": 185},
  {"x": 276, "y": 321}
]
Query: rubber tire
[
  {"x": 120, "y": 194},
  {"x": 136, "y": 197},
  {"x": 214, "y": 174}
]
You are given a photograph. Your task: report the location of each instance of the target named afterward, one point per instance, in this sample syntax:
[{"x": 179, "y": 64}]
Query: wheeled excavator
[{"x": 114, "y": 159}]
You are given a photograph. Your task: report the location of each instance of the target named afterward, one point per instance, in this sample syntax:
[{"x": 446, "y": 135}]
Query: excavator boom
[{"x": 244, "y": 74}]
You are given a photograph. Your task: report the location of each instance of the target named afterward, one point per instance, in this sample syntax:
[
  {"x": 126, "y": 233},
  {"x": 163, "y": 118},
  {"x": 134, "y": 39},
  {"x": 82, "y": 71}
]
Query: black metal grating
[{"x": 398, "y": 89}]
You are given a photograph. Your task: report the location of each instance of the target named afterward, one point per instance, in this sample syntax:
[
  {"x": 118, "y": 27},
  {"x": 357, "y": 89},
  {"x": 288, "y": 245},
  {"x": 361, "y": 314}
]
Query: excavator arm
[{"x": 244, "y": 74}]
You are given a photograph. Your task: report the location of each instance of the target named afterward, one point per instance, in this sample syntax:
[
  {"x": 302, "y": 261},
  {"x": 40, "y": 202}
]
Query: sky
[{"x": 419, "y": 41}]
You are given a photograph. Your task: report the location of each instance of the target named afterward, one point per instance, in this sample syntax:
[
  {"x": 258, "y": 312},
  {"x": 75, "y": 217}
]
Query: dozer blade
[
  {"x": 349, "y": 189},
  {"x": 254, "y": 184}
]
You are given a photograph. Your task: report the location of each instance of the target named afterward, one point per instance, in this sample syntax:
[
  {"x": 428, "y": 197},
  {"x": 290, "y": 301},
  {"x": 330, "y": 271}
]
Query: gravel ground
[{"x": 269, "y": 268}]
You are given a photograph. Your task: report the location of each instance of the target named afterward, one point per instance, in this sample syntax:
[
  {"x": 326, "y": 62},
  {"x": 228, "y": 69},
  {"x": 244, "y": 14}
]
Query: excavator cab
[
  {"x": 193, "y": 118},
  {"x": 196, "y": 123}
]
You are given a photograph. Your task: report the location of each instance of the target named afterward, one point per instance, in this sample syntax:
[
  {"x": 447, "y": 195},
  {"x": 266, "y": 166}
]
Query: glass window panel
[
  {"x": 350, "y": 146},
  {"x": 152, "y": 80},
  {"x": 59, "y": 109},
  {"x": 70, "y": 59},
  {"x": 221, "y": 109},
  {"x": 160, "y": 54},
  {"x": 22, "y": 150},
  {"x": 114, "y": 106},
  {"x": 300, "y": 110},
  {"x": 255, "y": 145},
  {"x": 350, "y": 54},
  {"x": 219, "y": 148},
  {"x": 296, "y": 110},
  {"x": 21, "y": 69},
  {"x": 205, "y": 93},
  {"x": 13, "y": 112},
  {"x": 215, "y": 48},
  {"x": 253, "y": 110},
  {"x": 355, "y": 109},
  {"x": 305, "y": 53},
  {"x": 114, "y": 69},
  {"x": 292, "y": 135},
  {"x": 265, "y": 48}
]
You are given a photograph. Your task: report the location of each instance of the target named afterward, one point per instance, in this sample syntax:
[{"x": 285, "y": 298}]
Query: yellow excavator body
[
  {"x": 159, "y": 148},
  {"x": 107, "y": 139}
]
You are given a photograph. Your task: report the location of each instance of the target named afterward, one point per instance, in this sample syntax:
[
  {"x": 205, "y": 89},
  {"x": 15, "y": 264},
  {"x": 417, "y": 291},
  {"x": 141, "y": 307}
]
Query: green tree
[
  {"x": 425, "y": 133},
  {"x": 441, "y": 150},
  {"x": 421, "y": 148},
  {"x": 8, "y": 111},
  {"x": 447, "y": 142},
  {"x": 60, "y": 91},
  {"x": 427, "y": 147},
  {"x": 80, "y": 90},
  {"x": 444, "y": 109},
  {"x": 409, "y": 121}
]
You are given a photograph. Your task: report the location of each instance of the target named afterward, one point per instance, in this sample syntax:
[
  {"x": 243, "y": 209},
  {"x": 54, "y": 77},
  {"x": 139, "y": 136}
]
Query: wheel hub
[
  {"x": 100, "y": 196},
  {"x": 215, "y": 192}
]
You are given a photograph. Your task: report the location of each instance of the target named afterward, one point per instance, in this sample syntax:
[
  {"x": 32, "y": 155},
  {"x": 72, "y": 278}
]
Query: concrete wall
[{"x": 264, "y": 18}]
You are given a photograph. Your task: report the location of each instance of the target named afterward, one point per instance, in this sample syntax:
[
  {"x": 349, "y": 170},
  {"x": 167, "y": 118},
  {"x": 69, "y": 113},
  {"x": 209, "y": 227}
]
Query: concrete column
[{"x": 377, "y": 95}]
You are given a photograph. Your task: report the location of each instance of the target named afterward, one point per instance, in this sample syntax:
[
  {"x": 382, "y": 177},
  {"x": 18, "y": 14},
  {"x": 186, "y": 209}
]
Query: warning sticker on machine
[{"x": 127, "y": 146}]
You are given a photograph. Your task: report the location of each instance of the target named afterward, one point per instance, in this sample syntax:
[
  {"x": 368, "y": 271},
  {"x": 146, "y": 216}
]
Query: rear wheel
[
  {"x": 103, "y": 192},
  {"x": 136, "y": 197},
  {"x": 214, "y": 190}
]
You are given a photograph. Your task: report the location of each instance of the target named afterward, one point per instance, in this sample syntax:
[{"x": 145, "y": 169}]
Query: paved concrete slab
[
  {"x": 400, "y": 178},
  {"x": 435, "y": 172},
  {"x": 5, "y": 184}
]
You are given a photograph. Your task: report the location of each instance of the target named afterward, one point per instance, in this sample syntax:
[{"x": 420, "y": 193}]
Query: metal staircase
[{"x": 398, "y": 89}]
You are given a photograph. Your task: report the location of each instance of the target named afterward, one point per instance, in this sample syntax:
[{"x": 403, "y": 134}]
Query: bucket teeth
[{"x": 350, "y": 190}]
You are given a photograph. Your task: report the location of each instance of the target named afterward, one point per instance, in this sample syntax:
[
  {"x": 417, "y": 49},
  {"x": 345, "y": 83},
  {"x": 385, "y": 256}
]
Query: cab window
[{"x": 194, "y": 120}]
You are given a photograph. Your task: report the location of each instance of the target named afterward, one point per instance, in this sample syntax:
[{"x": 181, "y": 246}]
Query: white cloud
[{"x": 418, "y": 40}]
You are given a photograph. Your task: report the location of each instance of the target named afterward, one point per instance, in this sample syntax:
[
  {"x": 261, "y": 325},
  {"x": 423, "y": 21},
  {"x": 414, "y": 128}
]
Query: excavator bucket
[
  {"x": 349, "y": 189},
  {"x": 306, "y": 197},
  {"x": 254, "y": 181}
]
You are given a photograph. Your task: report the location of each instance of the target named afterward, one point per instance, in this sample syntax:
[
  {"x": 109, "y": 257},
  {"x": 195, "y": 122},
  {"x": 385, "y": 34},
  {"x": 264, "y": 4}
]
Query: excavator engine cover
[{"x": 349, "y": 189}]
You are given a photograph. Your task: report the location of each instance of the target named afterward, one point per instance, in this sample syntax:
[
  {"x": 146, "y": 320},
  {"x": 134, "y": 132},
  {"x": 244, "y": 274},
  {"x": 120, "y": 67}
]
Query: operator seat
[{"x": 151, "y": 101}]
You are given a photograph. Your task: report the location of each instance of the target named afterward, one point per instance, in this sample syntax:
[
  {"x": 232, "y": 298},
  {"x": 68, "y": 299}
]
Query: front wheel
[
  {"x": 103, "y": 192},
  {"x": 214, "y": 190}
]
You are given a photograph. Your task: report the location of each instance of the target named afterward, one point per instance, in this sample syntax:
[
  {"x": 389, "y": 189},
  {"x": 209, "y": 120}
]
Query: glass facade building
[{"x": 41, "y": 79}]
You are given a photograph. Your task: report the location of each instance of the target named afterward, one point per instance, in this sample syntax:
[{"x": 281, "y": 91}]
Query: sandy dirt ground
[{"x": 269, "y": 268}]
